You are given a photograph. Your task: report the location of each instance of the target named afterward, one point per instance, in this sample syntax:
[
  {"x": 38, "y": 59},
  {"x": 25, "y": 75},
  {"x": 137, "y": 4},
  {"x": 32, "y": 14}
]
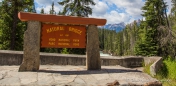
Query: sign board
[{"x": 63, "y": 36}]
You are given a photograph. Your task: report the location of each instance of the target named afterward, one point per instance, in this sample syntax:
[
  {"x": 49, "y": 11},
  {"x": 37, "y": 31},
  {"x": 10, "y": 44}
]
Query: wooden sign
[{"x": 63, "y": 36}]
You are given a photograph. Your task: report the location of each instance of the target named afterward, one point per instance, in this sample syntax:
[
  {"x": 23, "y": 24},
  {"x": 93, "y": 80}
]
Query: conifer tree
[
  {"x": 77, "y": 7},
  {"x": 11, "y": 28},
  {"x": 52, "y": 11},
  {"x": 154, "y": 13},
  {"x": 42, "y": 11},
  {"x": 173, "y": 14}
]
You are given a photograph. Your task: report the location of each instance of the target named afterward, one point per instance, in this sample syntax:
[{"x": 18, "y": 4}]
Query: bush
[
  {"x": 163, "y": 72},
  {"x": 167, "y": 74},
  {"x": 171, "y": 68},
  {"x": 65, "y": 51}
]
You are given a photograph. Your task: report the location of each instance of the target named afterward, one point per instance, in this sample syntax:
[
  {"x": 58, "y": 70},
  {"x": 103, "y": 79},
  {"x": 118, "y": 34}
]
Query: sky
[{"x": 114, "y": 11}]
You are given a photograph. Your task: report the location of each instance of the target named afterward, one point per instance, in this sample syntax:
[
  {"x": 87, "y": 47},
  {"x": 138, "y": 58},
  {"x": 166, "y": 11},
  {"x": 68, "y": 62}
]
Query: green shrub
[
  {"x": 167, "y": 74},
  {"x": 171, "y": 68},
  {"x": 163, "y": 72},
  {"x": 65, "y": 51}
]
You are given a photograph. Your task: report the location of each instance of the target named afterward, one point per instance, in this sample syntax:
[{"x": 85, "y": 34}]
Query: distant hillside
[
  {"x": 116, "y": 27},
  {"x": 120, "y": 26},
  {"x": 137, "y": 21}
]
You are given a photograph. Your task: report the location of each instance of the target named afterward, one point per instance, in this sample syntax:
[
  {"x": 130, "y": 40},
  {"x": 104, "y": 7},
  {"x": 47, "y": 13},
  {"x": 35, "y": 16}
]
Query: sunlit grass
[
  {"x": 167, "y": 74},
  {"x": 147, "y": 68}
]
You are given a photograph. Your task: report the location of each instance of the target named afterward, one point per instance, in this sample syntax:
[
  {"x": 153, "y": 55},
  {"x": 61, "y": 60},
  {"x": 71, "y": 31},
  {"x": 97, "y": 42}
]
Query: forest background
[{"x": 154, "y": 36}]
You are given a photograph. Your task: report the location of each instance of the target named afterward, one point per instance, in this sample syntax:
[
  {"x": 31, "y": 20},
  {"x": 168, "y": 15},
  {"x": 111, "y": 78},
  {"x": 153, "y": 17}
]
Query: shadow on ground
[{"x": 84, "y": 72}]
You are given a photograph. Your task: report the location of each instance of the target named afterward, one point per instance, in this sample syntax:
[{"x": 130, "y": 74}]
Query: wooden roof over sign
[{"x": 60, "y": 19}]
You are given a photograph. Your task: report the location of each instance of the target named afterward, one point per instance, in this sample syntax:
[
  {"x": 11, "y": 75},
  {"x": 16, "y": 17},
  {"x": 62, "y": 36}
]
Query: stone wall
[
  {"x": 10, "y": 57},
  {"x": 156, "y": 66},
  {"x": 15, "y": 58},
  {"x": 149, "y": 60},
  {"x": 132, "y": 61},
  {"x": 62, "y": 59},
  {"x": 155, "y": 62}
]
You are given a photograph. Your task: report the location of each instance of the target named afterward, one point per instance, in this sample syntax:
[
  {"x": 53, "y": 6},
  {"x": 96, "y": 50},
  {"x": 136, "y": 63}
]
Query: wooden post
[
  {"x": 93, "y": 61},
  {"x": 31, "y": 57}
]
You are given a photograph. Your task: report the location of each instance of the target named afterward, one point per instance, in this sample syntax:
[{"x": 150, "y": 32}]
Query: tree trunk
[{"x": 14, "y": 26}]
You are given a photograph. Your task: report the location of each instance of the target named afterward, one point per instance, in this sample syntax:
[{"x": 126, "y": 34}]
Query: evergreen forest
[{"x": 154, "y": 36}]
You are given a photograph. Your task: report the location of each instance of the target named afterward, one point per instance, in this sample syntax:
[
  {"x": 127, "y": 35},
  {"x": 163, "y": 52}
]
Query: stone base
[
  {"x": 93, "y": 61},
  {"x": 31, "y": 57}
]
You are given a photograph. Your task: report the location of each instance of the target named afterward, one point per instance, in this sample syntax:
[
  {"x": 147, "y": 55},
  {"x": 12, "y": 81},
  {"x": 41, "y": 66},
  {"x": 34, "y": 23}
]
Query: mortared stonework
[
  {"x": 31, "y": 57},
  {"x": 92, "y": 49}
]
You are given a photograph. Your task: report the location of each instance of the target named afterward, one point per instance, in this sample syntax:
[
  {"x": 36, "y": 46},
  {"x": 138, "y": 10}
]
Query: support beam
[{"x": 60, "y": 19}]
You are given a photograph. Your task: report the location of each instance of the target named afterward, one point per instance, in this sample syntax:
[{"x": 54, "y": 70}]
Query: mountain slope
[{"x": 117, "y": 27}]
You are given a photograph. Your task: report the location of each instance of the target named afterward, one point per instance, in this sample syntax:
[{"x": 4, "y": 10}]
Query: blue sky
[{"x": 115, "y": 11}]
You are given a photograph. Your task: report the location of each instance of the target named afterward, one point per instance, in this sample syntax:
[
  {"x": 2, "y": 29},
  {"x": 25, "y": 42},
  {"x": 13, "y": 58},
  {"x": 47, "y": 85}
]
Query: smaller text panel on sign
[{"x": 63, "y": 36}]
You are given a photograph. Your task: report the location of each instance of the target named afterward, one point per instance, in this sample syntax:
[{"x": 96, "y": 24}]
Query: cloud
[
  {"x": 46, "y": 4},
  {"x": 169, "y": 3},
  {"x": 114, "y": 17},
  {"x": 100, "y": 8},
  {"x": 131, "y": 7},
  {"x": 115, "y": 11},
  {"x": 43, "y": 2}
]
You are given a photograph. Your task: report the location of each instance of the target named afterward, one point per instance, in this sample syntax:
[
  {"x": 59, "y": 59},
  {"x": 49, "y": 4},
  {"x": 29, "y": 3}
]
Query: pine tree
[
  {"x": 119, "y": 44},
  {"x": 154, "y": 13},
  {"x": 42, "y": 11},
  {"x": 52, "y": 11},
  {"x": 77, "y": 7},
  {"x": 11, "y": 28},
  {"x": 60, "y": 13},
  {"x": 33, "y": 8},
  {"x": 173, "y": 15},
  {"x": 170, "y": 35}
]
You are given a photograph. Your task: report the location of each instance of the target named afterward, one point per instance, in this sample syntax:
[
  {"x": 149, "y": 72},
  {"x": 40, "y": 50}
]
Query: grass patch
[
  {"x": 171, "y": 68},
  {"x": 167, "y": 74},
  {"x": 147, "y": 68},
  {"x": 65, "y": 51}
]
